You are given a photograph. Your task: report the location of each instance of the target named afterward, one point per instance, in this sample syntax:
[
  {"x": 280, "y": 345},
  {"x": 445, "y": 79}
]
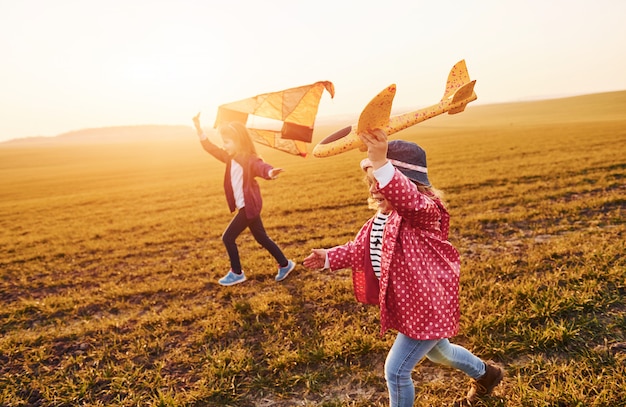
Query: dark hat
[{"x": 410, "y": 159}]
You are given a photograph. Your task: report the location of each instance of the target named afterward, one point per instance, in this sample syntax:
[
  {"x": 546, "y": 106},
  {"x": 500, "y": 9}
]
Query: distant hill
[
  {"x": 109, "y": 135},
  {"x": 593, "y": 107},
  {"x": 607, "y": 106}
]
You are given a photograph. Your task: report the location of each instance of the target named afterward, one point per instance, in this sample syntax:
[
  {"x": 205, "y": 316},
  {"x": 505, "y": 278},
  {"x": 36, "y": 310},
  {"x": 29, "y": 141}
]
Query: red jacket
[
  {"x": 419, "y": 281},
  {"x": 253, "y": 167}
]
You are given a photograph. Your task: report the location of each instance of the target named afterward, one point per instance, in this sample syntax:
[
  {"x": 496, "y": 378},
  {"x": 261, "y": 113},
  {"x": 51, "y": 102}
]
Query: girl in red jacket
[
  {"x": 243, "y": 195},
  {"x": 402, "y": 260}
]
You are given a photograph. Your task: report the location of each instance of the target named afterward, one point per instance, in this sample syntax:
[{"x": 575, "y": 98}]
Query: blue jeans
[{"x": 406, "y": 353}]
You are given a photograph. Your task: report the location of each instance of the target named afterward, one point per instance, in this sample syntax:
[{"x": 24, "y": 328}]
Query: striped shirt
[{"x": 376, "y": 241}]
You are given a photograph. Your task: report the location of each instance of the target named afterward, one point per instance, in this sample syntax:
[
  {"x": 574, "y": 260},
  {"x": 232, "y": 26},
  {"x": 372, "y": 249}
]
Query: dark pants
[{"x": 238, "y": 225}]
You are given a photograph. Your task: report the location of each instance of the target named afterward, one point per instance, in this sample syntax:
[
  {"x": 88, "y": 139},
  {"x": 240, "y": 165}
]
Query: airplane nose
[{"x": 337, "y": 135}]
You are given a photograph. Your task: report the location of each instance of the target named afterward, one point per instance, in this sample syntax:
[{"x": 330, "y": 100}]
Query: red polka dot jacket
[{"x": 419, "y": 281}]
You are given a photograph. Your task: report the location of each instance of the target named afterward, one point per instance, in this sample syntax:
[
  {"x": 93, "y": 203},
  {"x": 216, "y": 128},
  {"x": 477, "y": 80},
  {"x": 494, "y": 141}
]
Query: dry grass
[{"x": 111, "y": 254}]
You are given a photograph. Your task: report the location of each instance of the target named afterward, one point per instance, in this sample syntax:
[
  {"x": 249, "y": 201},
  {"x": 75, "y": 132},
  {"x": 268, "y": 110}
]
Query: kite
[
  {"x": 296, "y": 108},
  {"x": 458, "y": 93}
]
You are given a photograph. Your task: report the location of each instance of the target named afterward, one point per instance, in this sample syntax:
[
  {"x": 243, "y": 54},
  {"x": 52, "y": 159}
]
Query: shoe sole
[
  {"x": 287, "y": 273},
  {"x": 233, "y": 283}
]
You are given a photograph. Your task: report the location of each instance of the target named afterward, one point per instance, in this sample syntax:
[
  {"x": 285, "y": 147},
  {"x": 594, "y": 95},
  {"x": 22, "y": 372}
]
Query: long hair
[
  {"x": 238, "y": 133},
  {"x": 433, "y": 192}
]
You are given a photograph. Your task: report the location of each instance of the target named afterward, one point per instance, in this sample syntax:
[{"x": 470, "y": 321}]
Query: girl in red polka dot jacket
[{"x": 401, "y": 259}]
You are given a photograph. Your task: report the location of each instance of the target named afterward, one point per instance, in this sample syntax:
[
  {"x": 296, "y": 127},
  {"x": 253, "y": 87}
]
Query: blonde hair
[
  {"x": 238, "y": 133},
  {"x": 432, "y": 192}
]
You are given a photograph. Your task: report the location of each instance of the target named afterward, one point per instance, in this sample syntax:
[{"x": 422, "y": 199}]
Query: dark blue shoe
[{"x": 283, "y": 272}]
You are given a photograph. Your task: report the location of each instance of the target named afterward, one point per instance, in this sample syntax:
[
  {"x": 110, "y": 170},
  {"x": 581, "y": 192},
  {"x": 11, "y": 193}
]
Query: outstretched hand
[
  {"x": 376, "y": 143},
  {"x": 274, "y": 172},
  {"x": 315, "y": 260}
]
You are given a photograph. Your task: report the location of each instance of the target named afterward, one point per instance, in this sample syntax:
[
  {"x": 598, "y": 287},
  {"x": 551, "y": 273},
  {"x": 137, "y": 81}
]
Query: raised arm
[
  {"x": 209, "y": 147},
  {"x": 196, "y": 123}
]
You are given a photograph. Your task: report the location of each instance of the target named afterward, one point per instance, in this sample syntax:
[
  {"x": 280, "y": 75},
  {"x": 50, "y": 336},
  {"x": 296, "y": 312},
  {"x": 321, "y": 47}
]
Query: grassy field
[{"x": 111, "y": 251}]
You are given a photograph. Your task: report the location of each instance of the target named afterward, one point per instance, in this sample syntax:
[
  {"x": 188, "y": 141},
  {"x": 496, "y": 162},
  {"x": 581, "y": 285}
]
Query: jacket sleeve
[
  {"x": 341, "y": 257},
  {"x": 214, "y": 150},
  {"x": 418, "y": 209},
  {"x": 349, "y": 255},
  {"x": 260, "y": 168}
]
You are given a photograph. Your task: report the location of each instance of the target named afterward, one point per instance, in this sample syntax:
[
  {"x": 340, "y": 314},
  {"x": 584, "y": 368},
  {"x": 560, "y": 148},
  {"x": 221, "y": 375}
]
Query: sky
[{"x": 67, "y": 65}]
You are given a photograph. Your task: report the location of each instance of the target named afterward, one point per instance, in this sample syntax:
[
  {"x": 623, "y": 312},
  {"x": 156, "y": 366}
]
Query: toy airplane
[{"x": 458, "y": 93}]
